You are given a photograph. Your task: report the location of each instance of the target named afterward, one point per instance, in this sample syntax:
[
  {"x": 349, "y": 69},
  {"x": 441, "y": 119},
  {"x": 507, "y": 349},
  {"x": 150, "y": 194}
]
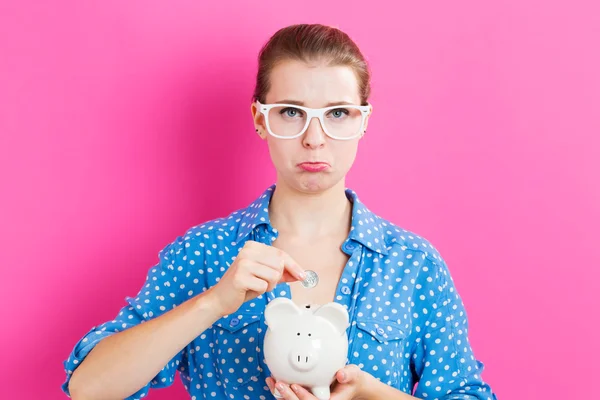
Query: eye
[
  {"x": 290, "y": 112},
  {"x": 298, "y": 333},
  {"x": 338, "y": 113}
]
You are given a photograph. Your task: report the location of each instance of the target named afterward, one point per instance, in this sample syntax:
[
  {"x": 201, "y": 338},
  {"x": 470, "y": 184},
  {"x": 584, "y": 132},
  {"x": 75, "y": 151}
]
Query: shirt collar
[
  {"x": 255, "y": 214},
  {"x": 367, "y": 228}
]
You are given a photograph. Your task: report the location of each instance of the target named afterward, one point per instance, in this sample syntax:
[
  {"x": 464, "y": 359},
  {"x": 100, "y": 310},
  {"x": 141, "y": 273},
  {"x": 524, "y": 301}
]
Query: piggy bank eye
[
  {"x": 298, "y": 333},
  {"x": 309, "y": 334}
]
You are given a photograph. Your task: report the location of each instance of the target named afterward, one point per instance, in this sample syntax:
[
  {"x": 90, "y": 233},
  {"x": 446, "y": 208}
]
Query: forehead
[{"x": 314, "y": 84}]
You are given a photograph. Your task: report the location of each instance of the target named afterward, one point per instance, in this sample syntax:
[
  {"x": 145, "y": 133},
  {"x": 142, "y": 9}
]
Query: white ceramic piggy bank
[{"x": 306, "y": 345}]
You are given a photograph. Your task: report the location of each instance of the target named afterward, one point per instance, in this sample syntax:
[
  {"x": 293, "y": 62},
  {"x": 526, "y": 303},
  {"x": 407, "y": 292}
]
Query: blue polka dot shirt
[{"x": 408, "y": 325}]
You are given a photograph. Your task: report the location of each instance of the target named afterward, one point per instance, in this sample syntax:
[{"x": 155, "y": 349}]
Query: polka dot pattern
[{"x": 408, "y": 323}]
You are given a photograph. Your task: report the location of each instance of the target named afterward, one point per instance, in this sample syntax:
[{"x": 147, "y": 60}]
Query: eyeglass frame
[{"x": 314, "y": 113}]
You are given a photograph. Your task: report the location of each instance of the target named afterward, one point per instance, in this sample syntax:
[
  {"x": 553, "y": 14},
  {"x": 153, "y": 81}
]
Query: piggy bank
[{"x": 305, "y": 345}]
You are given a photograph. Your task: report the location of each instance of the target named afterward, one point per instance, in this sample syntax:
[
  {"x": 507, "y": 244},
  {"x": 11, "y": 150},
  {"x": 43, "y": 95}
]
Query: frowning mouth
[{"x": 314, "y": 166}]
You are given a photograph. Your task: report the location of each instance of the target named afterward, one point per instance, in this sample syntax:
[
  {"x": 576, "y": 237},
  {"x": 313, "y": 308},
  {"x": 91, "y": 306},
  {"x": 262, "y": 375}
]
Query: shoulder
[
  {"x": 396, "y": 239},
  {"x": 400, "y": 239},
  {"x": 420, "y": 257},
  {"x": 415, "y": 252},
  {"x": 220, "y": 231},
  {"x": 420, "y": 262},
  {"x": 386, "y": 237}
]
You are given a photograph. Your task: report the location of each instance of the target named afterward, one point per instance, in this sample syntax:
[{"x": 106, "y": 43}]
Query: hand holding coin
[{"x": 257, "y": 269}]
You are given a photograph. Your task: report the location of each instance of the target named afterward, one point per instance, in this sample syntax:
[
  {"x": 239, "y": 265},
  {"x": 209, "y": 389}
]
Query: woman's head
[
  {"x": 311, "y": 44},
  {"x": 313, "y": 66}
]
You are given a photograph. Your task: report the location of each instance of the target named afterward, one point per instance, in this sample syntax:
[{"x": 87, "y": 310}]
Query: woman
[{"x": 201, "y": 308}]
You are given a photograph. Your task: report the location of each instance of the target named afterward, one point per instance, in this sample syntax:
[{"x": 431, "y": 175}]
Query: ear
[
  {"x": 259, "y": 120},
  {"x": 278, "y": 309},
  {"x": 336, "y": 314},
  {"x": 367, "y": 120}
]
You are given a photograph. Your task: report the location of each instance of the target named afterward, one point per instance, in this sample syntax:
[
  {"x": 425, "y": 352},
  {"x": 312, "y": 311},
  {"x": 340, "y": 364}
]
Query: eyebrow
[{"x": 301, "y": 103}]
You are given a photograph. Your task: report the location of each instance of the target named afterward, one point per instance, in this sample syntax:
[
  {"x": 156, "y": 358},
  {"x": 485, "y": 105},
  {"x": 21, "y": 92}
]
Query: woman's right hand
[{"x": 257, "y": 269}]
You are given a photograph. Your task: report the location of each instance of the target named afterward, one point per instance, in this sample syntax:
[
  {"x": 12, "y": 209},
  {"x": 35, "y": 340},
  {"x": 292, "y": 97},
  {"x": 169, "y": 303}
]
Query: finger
[
  {"x": 278, "y": 259},
  {"x": 267, "y": 274},
  {"x": 255, "y": 284},
  {"x": 270, "y": 383},
  {"x": 301, "y": 393},
  {"x": 288, "y": 277},
  {"x": 348, "y": 374},
  {"x": 252, "y": 269},
  {"x": 285, "y": 391},
  {"x": 292, "y": 267},
  {"x": 266, "y": 255}
]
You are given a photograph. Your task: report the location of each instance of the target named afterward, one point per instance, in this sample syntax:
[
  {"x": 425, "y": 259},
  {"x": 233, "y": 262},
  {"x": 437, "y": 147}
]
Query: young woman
[{"x": 200, "y": 311}]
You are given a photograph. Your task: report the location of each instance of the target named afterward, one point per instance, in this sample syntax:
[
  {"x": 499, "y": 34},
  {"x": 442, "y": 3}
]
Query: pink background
[{"x": 485, "y": 131}]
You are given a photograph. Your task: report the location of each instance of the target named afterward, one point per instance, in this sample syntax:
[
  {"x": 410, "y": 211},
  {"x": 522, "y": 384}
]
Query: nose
[
  {"x": 314, "y": 137},
  {"x": 303, "y": 358}
]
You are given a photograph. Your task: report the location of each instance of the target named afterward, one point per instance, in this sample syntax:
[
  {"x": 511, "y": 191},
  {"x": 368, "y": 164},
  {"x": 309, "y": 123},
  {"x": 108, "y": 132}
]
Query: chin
[{"x": 314, "y": 182}]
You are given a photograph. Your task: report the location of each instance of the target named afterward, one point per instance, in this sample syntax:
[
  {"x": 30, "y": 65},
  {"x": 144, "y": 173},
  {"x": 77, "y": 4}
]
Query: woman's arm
[
  {"x": 103, "y": 362},
  {"x": 121, "y": 364},
  {"x": 443, "y": 360},
  {"x": 143, "y": 346}
]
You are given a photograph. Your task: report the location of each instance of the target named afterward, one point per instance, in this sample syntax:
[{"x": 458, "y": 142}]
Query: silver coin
[{"x": 311, "y": 280}]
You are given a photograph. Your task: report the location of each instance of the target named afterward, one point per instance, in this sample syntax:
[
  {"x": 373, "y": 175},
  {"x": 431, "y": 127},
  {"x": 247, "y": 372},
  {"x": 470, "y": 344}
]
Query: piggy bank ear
[
  {"x": 279, "y": 310},
  {"x": 336, "y": 314}
]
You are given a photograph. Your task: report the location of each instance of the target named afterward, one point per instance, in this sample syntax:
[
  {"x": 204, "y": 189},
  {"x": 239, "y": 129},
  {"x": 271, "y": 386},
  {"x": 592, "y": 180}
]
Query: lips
[{"x": 314, "y": 166}]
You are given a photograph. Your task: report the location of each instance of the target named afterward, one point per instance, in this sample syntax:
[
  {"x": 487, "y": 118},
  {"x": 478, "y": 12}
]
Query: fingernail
[
  {"x": 280, "y": 387},
  {"x": 343, "y": 376},
  {"x": 295, "y": 388}
]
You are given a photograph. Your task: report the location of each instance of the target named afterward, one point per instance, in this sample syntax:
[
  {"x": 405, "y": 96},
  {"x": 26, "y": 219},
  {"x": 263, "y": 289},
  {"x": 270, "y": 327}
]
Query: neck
[{"x": 310, "y": 215}]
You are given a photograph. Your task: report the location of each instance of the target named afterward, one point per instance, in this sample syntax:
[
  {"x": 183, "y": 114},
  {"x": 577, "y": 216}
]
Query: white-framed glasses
[{"x": 289, "y": 121}]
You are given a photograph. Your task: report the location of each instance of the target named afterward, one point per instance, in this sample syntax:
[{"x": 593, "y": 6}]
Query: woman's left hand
[{"x": 349, "y": 385}]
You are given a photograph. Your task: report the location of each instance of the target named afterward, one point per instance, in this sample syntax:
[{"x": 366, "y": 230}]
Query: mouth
[{"x": 314, "y": 166}]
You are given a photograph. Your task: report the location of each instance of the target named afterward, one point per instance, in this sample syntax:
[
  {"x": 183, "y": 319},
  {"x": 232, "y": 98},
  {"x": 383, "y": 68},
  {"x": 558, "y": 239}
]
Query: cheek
[
  {"x": 345, "y": 153},
  {"x": 280, "y": 150}
]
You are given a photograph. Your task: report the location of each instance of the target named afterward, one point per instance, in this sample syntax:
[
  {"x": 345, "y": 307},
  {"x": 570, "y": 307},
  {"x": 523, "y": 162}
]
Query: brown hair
[{"x": 311, "y": 42}]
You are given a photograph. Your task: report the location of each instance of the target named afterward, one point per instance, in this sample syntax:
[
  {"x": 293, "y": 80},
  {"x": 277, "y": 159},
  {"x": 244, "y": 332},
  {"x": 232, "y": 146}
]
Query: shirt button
[
  {"x": 350, "y": 246},
  {"x": 380, "y": 331},
  {"x": 346, "y": 290},
  {"x": 234, "y": 322}
]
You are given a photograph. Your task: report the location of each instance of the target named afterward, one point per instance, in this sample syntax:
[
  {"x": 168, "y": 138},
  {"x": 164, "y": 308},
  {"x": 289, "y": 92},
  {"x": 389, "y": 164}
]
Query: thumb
[
  {"x": 287, "y": 277},
  {"x": 348, "y": 374}
]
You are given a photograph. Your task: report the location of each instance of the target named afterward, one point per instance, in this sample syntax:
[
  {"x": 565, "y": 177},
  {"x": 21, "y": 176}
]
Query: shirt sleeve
[
  {"x": 167, "y": 285},
  {"x": 443, "y": 361}
]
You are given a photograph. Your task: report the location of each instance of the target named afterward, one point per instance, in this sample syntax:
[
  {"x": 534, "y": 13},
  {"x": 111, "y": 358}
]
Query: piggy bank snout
[{"x": 303, "y": 358}]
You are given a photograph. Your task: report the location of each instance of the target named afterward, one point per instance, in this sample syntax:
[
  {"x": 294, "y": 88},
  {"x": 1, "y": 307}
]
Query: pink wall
[{"x": 486, "y": 129}]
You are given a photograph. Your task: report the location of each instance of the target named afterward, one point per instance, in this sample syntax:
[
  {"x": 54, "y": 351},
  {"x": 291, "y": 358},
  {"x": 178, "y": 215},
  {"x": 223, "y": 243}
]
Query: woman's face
[{"x": 316, "y": 86}]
